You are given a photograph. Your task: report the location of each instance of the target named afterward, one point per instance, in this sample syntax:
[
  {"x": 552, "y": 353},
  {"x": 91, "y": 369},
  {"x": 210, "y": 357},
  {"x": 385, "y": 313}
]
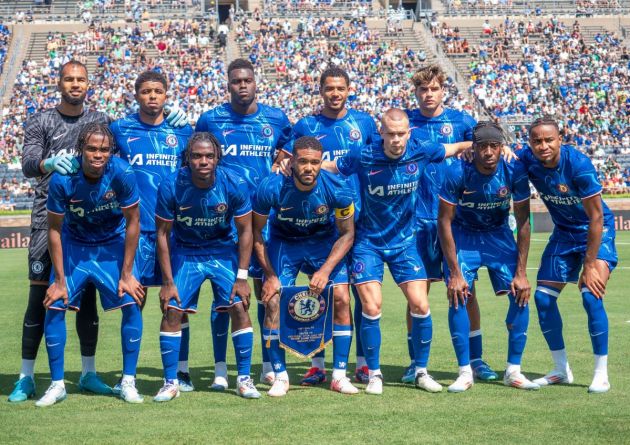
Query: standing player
[
  {"x": 155, "y": 150},
  {"x": 340, "y": 130},
  {"x": 199, "y": 204},
  {"x": 432, "y": 121},
  {"x": 389, "y": 171},
  {"x": 583, "y": 238},
  {"x": 312, "y": 229},
  {"x": 93, "y": 231},
  {"x": 474, "y": 232},
  {"x": 250, "y": 134},
  {"x": 49, "y": 138}
]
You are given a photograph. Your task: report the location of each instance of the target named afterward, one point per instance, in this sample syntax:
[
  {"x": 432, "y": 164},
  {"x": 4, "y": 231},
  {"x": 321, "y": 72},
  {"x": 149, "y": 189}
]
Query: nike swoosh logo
[
  {"x": 134, "y": 340},
  {"x": 95, "y": 323},
  {"x": 181, "y": 209},
  {"x": 166, "y": 352},
  {"x": 50, "y": 346},
  {"x": 26, "y": 325},
  {"x": 599, "y": 333},
  {"x": 222, "y": 335},
  {"x": 425, "y": 342},
  {"x": 58, "y": 136},
  {"x": 469, "y": 192},
  {"x": 226, "y": 132},
  {"x": 76, "y": 200},
  {"x": 245, "y": 351},
  {"x": 130, "y": 139},
  {"x": 374, "y": 172},
  {"x": 319, "y": 138},
  {"x": 548, "y": 330},
  {"x": 282, "y": 209}
]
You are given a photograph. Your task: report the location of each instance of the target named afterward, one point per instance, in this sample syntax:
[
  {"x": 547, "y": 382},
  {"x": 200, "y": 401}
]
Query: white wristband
[{"x": 242, "y": 274}]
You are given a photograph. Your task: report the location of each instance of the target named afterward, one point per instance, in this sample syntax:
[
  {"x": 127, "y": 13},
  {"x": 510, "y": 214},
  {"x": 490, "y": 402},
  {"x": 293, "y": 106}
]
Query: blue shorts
[
  {"x": 368, "y": 263},
  {"x": 147, "y": 262},
  {"x": 192, "y": 270},
  {"x": 429, "y": 248},
  {"x": 495, "y": 250},
  {"x": 561, "y": 262},
  {"x": 99, "y": 265},
  {"x": 289, "y": 258}
]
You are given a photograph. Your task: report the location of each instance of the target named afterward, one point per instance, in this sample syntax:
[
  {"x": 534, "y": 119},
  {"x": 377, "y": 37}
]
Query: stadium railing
[{"x": 540, "y": 7}]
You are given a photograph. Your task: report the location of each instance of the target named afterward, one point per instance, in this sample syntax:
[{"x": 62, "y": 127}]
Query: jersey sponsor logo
[
  {"x": 503, "y": 191},
  {"x": 136, "y": 160},
  {"x": 306, "y": 306},
  {"x": 230, "y": 150},
  {"x": 379, "y": 190},
  {"x": 37, "y": 267},
  {"x": 284, "y": 218},
  {"x": 78, "y": 210},
  {"x": 171, "y": 140},
  {"x": 130, "y": 139},
  {"x": 326, "y": 156},
  {"x": 184, "y": 220},
  {"x": 267, "y": 131},
  {"x": 221, "y": 207},
  {"x": 446, "y": 130},
  {"x": 412, "y": 168},
  {"x": 321, "y": 209},
  {"x": 563, "y": 188},
  {"x": 355, "y": 134}
]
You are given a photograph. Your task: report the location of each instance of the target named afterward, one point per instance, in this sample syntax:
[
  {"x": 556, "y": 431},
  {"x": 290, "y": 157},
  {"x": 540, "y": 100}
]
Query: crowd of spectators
[
  {"x": 5, "y": 40},
  {"x": 584, "y": 8}
]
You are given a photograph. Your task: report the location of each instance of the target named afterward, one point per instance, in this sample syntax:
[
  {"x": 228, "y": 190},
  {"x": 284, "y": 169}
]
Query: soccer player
[
  {"x": 49, "y": 138},
  {"x": 583, "y": 238},
  {"x": 435, "y": 122},
  {"x": 474, "y": 232},
  {"x": 312, "y": 230},
  {"x": 93, "y": 229},
  {"x": 339, "y": 129},
  {"x": 154, "y": 149},
  {"x": 251, "y": 134},
  {"x": 389, "y": 172},
  {"x": 199, "y": 204}
]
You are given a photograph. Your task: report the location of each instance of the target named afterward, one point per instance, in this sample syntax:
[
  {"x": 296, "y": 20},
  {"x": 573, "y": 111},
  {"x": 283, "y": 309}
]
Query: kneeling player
[
  {"x": 583, "y": 237},
  {"x": 474, "y": 232},
  {"x": 98, "y": 209},
  {"x": 199, "y": 203},
  {"x": 303, "y": 237}
]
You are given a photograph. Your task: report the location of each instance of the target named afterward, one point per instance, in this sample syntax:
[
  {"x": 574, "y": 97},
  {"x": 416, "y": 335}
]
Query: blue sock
[
  {"x": 131, "y": 334},
  {"x": 219, "y": 325},
  {"x": 549, "y": 316},
  {"x": 475, "y": 344},
  {"x": 357, "y": 315},
  {"x": 184, "y": 347},
  {"x": 243, "y": 341},
  {"x": 170, "y": 349},
  {"x": 276, "y": 353},
  {"x": 410, "y": 347},
  {"x": 517, "y": 321},
  {"x": 459, "y": 325},
  {"x": 260, "y": 313},
  {"x": 371, "y": 337},
  {"x": 421, "y": 335},
  {"x": 55, "y": 331},
  {"x": 342, "y": 339},
  {"x": 597, "y": 322}
]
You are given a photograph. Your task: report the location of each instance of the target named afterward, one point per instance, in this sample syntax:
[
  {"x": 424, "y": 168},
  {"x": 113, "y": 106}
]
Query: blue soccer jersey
[
  {"x": 563, "y": 188},
  {"x": 298, "y": 215},
  {"x": 154, "y": 152},
  {"x": 248, "y": 141},
  {"x": 93, "y": 211},
  {"x": 483, "y": 201},
  {"x": 202, "y": 218},
  {"x": 449, "y": 127},
  {"x": 388, "y": 190}
]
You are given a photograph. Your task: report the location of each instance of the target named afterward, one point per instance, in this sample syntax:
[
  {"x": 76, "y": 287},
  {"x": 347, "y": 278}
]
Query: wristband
[{"x": 242, "y": 274}]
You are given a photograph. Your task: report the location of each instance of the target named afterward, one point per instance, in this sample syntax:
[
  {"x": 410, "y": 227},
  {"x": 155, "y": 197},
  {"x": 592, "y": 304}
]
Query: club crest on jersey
[
  {"x": 171, "y": 140},
  {"x": 446, "y": 130},
  {"x": 503, "y": 192},
  {"x": 412, "y": 168},
  {"x": 267, "y": 131},
  {"x": 321, "y": 209},
  {"x": 306, "y": 306},
  {"x": 355, "y": 134},
  {"x": 37, "y": 267},
  {"x": 563, "y": 188},
  {"x": 221, "y": 207},
  {"x": 109, "y": 194}
]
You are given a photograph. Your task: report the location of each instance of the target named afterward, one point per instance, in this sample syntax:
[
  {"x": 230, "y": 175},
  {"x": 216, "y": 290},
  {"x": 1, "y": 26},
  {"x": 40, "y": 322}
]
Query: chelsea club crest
[{"x": 306, "y": 306}]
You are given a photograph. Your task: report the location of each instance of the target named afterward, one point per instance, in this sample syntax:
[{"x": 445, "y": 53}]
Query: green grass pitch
[{"x": 487, "y": 413}]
